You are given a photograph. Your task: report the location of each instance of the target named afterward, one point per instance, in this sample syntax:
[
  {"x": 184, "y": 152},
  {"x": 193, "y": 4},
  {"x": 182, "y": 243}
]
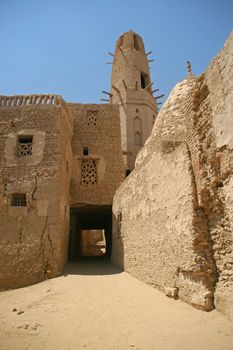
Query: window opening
[
  {"x": 137, "y": 132},
  {"x": 127, "y": 172},
  {"x": 19, "y": 200},
  {"x": 85, "y": 151},
  {"x": 92, "y": 117},
  {"x": 138, "y": 139},
  {"x": 88, "y": 172},
  {"x": 144, "y": 80},
  {"x": 24, "y": 147}
]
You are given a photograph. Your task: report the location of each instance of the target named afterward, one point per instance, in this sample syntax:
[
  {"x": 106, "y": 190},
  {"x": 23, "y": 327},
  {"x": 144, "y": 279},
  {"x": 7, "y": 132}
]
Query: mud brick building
[{"x": 69, "y": 184}]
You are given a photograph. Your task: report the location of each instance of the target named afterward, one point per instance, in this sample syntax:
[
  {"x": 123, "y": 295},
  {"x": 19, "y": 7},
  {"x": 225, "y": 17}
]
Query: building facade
[{"x": 64, "y": 192}]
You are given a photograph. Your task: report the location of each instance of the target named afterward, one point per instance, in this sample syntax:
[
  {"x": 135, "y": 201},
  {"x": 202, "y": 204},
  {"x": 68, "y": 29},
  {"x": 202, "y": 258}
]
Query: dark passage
[{"x": 90, "y": 233}]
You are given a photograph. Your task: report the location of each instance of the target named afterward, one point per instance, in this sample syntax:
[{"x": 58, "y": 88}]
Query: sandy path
[{"x": 96, "y": 306}]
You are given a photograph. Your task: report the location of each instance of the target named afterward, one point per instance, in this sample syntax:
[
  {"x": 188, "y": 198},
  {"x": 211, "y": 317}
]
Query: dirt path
[{"x": 96, "y": 306}]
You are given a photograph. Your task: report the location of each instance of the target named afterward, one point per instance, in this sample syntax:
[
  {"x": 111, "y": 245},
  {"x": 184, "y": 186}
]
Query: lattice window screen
[
  {"x": 92, "y": 117},
  {"x": 88, "y": 172},
  {"x": 24, "y": 148},
  {"x": 19, "y": 200}
]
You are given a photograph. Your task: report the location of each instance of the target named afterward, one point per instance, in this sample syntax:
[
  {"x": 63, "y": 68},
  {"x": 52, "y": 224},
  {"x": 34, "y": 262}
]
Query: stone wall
[
  {"x": 30, "y": 234},
  {"x": 97, "y": 169},
  {"x": 173, "y": 214}
]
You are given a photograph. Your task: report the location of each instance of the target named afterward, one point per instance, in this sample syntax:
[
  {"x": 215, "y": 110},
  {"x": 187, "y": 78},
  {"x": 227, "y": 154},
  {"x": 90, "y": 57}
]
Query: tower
[{"x": 131, "y": 89}]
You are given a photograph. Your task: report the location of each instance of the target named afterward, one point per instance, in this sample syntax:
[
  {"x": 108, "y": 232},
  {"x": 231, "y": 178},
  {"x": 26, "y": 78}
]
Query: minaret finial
[{"x": 189, "y": 67}]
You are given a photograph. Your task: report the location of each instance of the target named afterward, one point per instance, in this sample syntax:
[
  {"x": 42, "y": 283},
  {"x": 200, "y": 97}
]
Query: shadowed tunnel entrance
[{"x": 90, "y": 232}]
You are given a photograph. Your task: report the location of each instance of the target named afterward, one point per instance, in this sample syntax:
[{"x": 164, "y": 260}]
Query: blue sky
[{"x": 61, "y": 46}]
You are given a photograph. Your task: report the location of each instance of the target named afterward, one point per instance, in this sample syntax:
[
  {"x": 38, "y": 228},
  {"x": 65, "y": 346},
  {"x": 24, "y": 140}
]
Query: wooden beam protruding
[
  {"x": 107, "y": 93},
  {"x": 158, "y": 97},
  {"x": 124, "y": 83},
  {"x": 148, "y": 53},
  {"x": 148, "y": 86}
]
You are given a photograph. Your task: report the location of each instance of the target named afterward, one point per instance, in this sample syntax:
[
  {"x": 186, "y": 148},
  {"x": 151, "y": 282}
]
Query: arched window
[
  {"x": 137, "y": 132},
  {"x": 138, "y": 139}
]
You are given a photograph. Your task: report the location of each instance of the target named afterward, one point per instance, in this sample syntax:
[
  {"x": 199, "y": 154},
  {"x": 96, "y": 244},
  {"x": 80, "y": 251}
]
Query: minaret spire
[{"x": 131, "y": 89}]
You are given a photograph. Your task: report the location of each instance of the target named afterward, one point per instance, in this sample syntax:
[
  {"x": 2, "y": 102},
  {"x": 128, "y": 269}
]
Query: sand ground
[{"x": 96, "y": 306}]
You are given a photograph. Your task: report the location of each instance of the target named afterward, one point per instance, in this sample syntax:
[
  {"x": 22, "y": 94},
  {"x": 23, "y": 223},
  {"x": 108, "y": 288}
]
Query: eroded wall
[
  {"x": 209, "y": 110},
  {"x": 30, "y": 236},
  {"x": 173, "y": 215},
  {"x": 160, "y": 218}
]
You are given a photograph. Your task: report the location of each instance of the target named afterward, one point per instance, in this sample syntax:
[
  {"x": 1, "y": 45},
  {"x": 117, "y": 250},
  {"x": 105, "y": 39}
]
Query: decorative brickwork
[
  {"x": 88, "y": 172},
  {"x": 92, "y": 117}
]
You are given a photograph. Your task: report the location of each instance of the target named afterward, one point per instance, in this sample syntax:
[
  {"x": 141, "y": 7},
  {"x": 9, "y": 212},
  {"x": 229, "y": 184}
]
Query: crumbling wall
[
  {"x": 161, "y": 224},
  {"x": 192, "y": 138},
  {"x": 210, "y": 127},
  {"x": 97, "y": 174},
  {"x": 30, "y": 235}
]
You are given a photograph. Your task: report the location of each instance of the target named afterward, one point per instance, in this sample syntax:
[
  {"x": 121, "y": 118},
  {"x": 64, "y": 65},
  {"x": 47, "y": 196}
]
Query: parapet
[{"x": 25, "y": 100}]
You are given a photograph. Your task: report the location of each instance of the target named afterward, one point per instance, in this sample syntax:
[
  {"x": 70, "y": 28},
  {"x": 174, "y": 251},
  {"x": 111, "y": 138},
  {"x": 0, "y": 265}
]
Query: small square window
[
  {"x": 24, "y": 147},
  {"x": 85, "y": 151},
  {"x": 18, "y": 200}
]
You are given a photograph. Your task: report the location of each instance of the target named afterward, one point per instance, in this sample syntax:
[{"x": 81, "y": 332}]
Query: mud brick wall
[
  {"x": 210, "y": 139},
  {"x": 96, "y": 127},
  {"x": 173, "y": 214},
  {"x": 157, "y": 206},
  {"x": 29, "y": 235}
]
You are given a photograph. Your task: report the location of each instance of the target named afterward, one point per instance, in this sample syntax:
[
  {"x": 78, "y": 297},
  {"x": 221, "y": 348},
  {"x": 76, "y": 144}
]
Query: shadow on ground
[{"x": 91, "y": 266}]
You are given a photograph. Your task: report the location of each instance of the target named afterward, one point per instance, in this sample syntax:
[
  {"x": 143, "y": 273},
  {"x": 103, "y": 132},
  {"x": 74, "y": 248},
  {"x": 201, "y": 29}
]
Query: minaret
[{"x": 131, "y": 89}]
